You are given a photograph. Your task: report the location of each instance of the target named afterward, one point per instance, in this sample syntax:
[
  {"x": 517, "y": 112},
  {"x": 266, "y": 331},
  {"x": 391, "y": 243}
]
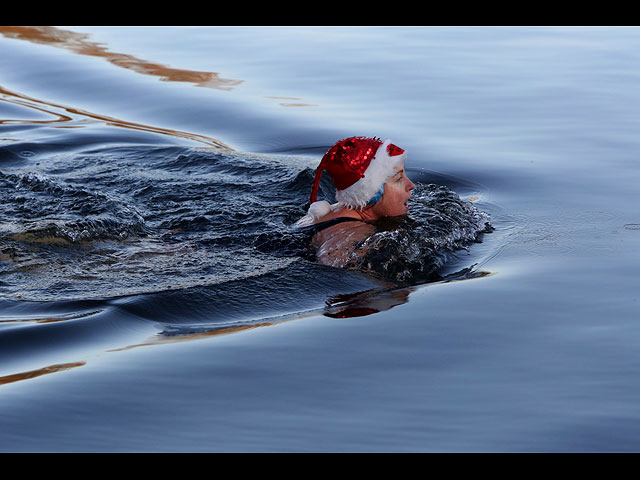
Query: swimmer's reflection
[
  {"x": 363, "y": 304},
  {"x": 375, "y": 301},
  {"x": 350, "y": 305}
]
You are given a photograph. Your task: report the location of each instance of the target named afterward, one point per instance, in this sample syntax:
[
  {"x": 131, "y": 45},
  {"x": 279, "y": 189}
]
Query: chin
[{"x": 400, "y": 211}]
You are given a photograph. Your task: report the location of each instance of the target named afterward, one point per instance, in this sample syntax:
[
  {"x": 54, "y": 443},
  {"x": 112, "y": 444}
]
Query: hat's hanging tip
[{"x": 317, "y": 208}]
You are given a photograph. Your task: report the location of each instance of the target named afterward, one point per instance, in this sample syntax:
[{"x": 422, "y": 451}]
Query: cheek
[
  {"x": 397, "y": 192},
  {"x": 394, "y": 200}
]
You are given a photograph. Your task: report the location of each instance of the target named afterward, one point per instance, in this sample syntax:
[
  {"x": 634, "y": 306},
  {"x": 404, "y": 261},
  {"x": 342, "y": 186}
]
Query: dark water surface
[{"x": 150, "y": 179}]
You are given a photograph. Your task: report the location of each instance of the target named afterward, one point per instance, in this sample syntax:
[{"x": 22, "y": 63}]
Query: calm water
[{"x": 153, "y": 296}]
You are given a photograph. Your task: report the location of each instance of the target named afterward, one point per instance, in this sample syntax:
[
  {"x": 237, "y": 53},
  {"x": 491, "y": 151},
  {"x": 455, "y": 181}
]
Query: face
[{"x": 397, "y": 192}]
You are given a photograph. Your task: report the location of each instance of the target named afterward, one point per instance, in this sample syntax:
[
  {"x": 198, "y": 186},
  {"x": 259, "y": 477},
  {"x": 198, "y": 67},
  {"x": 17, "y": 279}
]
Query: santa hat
[{"x": 359, "y": 168}]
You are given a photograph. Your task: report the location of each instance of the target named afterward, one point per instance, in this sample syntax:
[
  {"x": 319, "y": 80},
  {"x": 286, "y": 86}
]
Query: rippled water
[
  {"x": 150, "y": 181},
  {"x": 129, "y": 220}
]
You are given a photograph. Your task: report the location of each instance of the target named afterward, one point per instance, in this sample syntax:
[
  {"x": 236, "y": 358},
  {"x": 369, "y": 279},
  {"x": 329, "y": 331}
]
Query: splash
[{"x": 413, "y": 249}]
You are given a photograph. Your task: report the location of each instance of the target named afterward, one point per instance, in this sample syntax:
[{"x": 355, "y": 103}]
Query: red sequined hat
[{"x": 359, "y": 168}]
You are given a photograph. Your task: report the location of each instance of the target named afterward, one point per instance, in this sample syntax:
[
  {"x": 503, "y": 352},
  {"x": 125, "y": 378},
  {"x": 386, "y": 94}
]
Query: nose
[{"x": 410, "y": 185}]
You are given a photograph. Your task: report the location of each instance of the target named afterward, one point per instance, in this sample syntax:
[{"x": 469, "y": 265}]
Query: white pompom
[
  {"x": 319, "y": 209},
  {"x": 316, "y": 210}
]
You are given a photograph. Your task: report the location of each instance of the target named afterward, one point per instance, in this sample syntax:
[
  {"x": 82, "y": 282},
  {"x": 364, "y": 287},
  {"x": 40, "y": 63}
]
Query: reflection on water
[
  {"x": 58, "y": 117},
  {"x": 49, "y": 319},
  {"x": 373, "y": 301},
  {"x": 293, "y": 102},
  {"x": 340, "y": 306},
  {"x": 78, "y": 43},
  {"x": 16, "y": 377}
]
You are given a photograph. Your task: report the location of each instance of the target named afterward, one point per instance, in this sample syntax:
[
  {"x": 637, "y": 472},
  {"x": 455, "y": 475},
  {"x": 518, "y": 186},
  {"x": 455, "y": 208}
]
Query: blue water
[{"x": 152, "y": 299}]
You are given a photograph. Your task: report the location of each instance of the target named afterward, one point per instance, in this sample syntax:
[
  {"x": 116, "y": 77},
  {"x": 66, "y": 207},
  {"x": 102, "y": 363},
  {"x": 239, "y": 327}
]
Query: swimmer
[{"x": 371, "y": 184}]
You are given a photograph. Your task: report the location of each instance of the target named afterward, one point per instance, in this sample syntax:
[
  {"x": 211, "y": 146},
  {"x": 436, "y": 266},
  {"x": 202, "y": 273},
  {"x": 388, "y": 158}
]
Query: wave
[
  {"x": 131, "y": 219},
  {"x": 413, "y": 249}
]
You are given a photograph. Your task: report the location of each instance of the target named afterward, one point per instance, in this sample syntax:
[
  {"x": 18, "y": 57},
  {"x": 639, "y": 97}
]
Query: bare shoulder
[{"x": 336, "y": 244}]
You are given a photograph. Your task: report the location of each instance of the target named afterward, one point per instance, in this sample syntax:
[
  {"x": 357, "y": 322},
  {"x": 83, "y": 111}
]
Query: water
[{"x": 149, "y": 179}]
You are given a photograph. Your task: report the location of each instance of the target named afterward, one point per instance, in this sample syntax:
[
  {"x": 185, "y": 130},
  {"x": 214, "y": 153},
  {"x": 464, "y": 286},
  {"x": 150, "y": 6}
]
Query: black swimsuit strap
[{"x": 317, "y": 227}]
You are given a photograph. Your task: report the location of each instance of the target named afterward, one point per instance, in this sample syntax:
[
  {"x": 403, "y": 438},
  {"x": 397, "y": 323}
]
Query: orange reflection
[
  {"x": 162, "y": 338},
  {"x": 78, "y": 43},
  {"x": 58, "y": 117},
  {"x": 39, "y": 372},
  {"x": 50, "y": 108}
]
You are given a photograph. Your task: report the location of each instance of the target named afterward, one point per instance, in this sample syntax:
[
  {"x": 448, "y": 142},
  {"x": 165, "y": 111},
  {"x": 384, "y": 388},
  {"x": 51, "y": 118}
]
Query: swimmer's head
[
  {"x": 395, "y": 198},
  {"x": 359, "y": 168}
]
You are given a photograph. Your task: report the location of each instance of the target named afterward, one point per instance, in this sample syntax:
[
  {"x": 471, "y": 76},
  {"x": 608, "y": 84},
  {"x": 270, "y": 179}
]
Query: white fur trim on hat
[{"x": 381, "y": 168}]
